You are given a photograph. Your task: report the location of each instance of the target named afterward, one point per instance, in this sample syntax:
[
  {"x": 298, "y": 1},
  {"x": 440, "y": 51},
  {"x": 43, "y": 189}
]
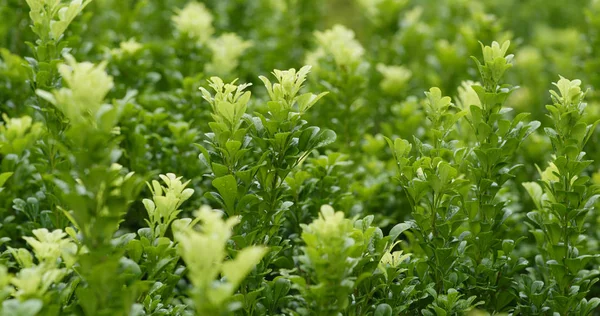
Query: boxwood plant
[{"x": 365, "y": 157}]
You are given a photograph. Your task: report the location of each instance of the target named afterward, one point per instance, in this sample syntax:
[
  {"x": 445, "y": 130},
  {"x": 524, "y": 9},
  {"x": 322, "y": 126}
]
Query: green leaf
[
  {"x": 227, "y": 187},
  {"x": 324, "y": 138},
  {"x": 4, "y": 177},
  {"x": 236, "y": 270},
  {"x": 383, "y": 310},
  {"x": 15, "y": 307},
  {"x": 402, "y": 148},
  {"x": 135, "y": 250},
  {"x": 313, "y": 138},
  {"x": 398, "y": 229},
  {"x": 307, "y": 100},
  {"x": 535, "y": 192}
]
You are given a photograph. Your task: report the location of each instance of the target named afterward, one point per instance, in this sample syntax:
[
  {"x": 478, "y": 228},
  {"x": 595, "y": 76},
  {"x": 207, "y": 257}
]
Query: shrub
[{"x": 368, "y": 157}]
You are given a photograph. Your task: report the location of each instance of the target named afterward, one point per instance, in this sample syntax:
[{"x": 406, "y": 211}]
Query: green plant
[
  {"x": 211, "y": 296},
  {"x": 267, "y": 195},
  {"x": 563, "y": 201},
  {"x": 491, "y": 164},
  {"x": 255, "y": 185}
]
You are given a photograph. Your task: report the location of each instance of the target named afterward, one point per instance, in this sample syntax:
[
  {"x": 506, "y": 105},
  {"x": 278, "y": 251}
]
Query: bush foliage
[{"x": 299, "y": 157}]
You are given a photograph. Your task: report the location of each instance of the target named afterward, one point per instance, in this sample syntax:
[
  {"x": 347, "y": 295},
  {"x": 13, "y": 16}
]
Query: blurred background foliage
[{"x": 403, "y": 47}]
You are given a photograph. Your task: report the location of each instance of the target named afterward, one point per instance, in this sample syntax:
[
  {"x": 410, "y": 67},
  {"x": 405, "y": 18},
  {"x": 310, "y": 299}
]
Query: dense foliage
[{"x": 299, "y": 157}]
